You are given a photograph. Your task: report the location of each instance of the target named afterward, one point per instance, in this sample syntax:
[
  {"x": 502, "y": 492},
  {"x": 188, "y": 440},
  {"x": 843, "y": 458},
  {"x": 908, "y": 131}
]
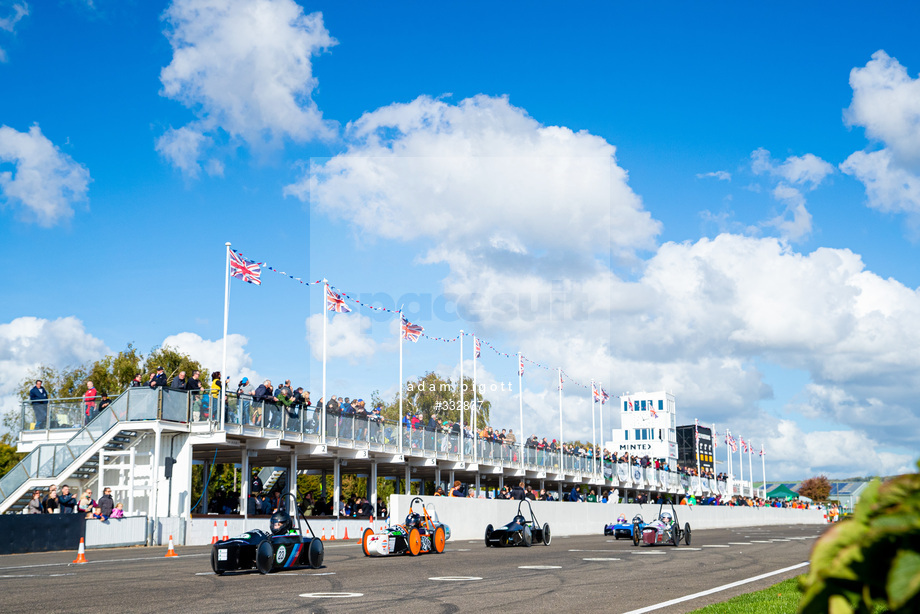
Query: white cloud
[
  {"x": 245, "y": 68},
  {"x": 346, "y": 337},
  {"x": 479, "y": 173},
  {"x": 720, "y": 175},
  {"x": 796, "y": 453},
  {"x": 889, "y": 188},
  {"x": 26, "y": 343},
  {"x": 210, "y": 354},
  {"x": 45, "y": 182},
  {"x": 791, "y": 176},
  {"x": 8, "y": 24},
  {"x": 886, "y": 102}
]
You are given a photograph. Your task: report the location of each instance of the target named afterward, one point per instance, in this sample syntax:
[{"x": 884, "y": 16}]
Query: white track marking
[
  {"x": 330, "y": 595},
  {"x": 455, "y": 578},
  {"x": 715, "y": 546},
  {"x": 599, "y": 559},
  {"x": 146, "y": 558},
  {"x": 539, "y": 566},
  {"x": 740, "y": 543},
  {"x": 717, "y": 589}
]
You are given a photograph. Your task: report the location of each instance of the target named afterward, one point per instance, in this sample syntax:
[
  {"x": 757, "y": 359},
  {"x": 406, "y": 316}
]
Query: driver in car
[
  {"x": 666, "y": 518},
  {"x": 281, "y": 523}
]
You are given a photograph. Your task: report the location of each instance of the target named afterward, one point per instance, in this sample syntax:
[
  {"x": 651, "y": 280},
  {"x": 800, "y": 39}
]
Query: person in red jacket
[{"x": 89, "y": 401}]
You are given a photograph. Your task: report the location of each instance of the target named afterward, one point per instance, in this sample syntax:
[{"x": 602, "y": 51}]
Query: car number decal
[
  {"x": 222, "y": 554},
  {"x": 282, "y": 552}
]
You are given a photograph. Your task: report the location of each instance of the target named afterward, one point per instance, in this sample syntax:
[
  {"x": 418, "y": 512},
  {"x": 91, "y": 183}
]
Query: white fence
[{"x": 114, "y": 532}]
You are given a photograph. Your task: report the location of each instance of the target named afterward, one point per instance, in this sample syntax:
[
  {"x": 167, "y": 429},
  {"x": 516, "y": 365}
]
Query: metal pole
[
  {"x": 223, "y": 363},
  {"x": 460, "y": 443},
  {"x": 521, "y": 398},
  {"x": 561, "y": 466},
  {"x": 763, "y": 464},
  {"x": 399, "y": 428},
  {"x": 473, "y": 411},
  {"x": 324, "y": 399},
  {"x": 593, "y": 432},
  {"x": 600, "y": 411}
]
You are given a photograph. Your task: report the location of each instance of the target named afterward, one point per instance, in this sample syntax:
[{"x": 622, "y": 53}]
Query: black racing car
[
  {"x": 520, "y": 531},
  {"x": 284, "y": 548}
]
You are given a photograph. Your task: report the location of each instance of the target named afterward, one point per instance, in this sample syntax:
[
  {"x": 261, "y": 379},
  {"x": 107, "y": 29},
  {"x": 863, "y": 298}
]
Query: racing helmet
[
  {"x": 621, "y": 519},
  {"x": 666, "y": 517},
  {"x": 519, "y": 519},
  {"x": 638, "y": 518},
  {"x": 281, "y": 523},
  {"x": 413, "y": 520}
]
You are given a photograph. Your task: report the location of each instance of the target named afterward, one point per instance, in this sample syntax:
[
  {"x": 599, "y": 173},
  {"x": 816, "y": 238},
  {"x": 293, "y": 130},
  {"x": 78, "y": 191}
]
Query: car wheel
[
  {"x": 488, "y": 535},
  {"x": 315, "y": 553},
  {"x": 547, "y": 536},
  {"x": 635, "y": 534},
  {"x": 264, "y": 556},
  {"x": 527, "y": 537},
  {"x": 364, "y": 539},
  {"x": 415, "y": 542},
  {"x": 687, "y": 534},
  {"x": 217, "y": 571},
  {"x": 440, "y": 538},
  {"x": 675, "y": 536}
]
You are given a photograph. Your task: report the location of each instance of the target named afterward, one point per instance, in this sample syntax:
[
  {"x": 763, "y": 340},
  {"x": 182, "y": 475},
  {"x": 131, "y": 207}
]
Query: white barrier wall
[
  {"x": 198, "y": 531},
  {"x": 467, "y": 518}
]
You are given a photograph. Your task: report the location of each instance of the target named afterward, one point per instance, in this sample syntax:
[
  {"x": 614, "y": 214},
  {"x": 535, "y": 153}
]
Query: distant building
[
  {"x": 647, "y": 426},
  {"x": 686, "y": 447}
]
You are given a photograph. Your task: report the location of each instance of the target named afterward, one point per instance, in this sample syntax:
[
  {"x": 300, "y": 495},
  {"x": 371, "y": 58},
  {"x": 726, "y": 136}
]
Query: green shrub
[{"x": 871, "y": 561}]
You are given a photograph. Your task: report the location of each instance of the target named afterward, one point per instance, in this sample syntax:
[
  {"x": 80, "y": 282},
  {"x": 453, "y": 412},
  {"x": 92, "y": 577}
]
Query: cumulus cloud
[
  {"x": 8, "y": 23},
  {"x": 245, "y": 68},
  {"x": 791, "y": 177},
  {"x": 794, "y": 452},
  {"x": 45, "y": 182},
  {"x": 886, "y": 102},
  {"x": 26, "y": 343},
  {"x": 210, "y": 353},
  {"x": 346, "y": 337},
  {"x": 720, "y": 175},
  {"x": 481, "y": 172}
]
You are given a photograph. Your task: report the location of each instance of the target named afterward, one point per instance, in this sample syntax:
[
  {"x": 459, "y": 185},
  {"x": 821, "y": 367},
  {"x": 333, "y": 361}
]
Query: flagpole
[
  {"x": 740, "y": 467},
  {"x": 751, "y": 466},
  {"x": 521, "y": 398},
  {"x": 561, "y": 458},
  {"x": 223, "y": 363},
  {"x": 473, "y": 411},
  {"x": 763, "y": 466},
  {"x": 696, "y": 432},
  {"x": 461, "y": 396},
  {"x": 593, "y": 433},
  {"x": 728, "y": 460},
  {"x": 600, "y": 411},
  {"x": 324, "y": 399},
  {"x": 400, "y": 427}
]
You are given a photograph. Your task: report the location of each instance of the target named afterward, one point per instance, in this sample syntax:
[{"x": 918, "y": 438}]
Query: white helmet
[{"x": 666, "y": 517}]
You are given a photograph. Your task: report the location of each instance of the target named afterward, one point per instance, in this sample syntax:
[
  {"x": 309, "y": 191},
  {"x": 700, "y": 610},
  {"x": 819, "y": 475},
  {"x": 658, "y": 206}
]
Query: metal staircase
[{"x": 78, "y": 457}]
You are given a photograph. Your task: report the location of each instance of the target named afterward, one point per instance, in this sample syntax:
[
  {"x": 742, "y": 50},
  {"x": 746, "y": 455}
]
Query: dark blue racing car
[{"x": 621, "y": 528}]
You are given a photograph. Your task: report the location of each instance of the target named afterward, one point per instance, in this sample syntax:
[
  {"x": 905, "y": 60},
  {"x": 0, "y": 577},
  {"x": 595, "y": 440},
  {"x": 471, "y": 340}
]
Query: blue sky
[{"x": 731, "y": 193}]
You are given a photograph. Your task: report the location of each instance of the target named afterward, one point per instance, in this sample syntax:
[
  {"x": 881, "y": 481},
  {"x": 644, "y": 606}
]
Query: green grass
[{"x": 782, "y": 598}]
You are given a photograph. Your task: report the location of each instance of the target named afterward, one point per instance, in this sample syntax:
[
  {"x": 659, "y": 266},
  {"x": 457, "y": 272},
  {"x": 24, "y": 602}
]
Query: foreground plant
[{"x": 871, "y": 561}]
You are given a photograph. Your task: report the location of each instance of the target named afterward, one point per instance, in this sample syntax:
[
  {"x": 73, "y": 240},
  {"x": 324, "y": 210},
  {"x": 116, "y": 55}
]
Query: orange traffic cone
[
  {"x": 323, "y": 538},
  {"x": 171, "y": 551},
  {"x": 332, "y": 539},
  {"x": 346, "y": 532},
  {"x": 214, "y": 535},
  {"x": 81, "y": 553},
  {"x": 226, "y": 531}
]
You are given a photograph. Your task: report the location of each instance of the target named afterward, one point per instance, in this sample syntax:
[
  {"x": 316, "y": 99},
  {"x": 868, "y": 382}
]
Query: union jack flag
[
  {"x": 653, "y": 412},
  {"x": 604, "y": 396},
  {"x": 744, "y": 445},
  {"x": 244, "y": 269},
  {"x": 630, "y": 404},
  {"x": 733, "y": 443},
  {"x": 560, "y": 381},
  {"x": 761, "y": 449},
  {"x": 411, "y": 331},
  {"x": 520, "y": 364},
  {"x": 334, "y": 302},
  {"x": 477, "y": 346},
  {"x": 597, "y": 394}
]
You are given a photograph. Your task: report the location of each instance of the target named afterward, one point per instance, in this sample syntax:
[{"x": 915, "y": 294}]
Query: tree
[
  {"x": 431, "y": 395},
  {"x": 817, "y": 488},
  {"x": 8, "y": 455}
]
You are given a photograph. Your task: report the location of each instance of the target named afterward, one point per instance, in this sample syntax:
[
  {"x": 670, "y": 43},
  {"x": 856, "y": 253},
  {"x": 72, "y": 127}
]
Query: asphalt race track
[{"x": 576, "y": 574}]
